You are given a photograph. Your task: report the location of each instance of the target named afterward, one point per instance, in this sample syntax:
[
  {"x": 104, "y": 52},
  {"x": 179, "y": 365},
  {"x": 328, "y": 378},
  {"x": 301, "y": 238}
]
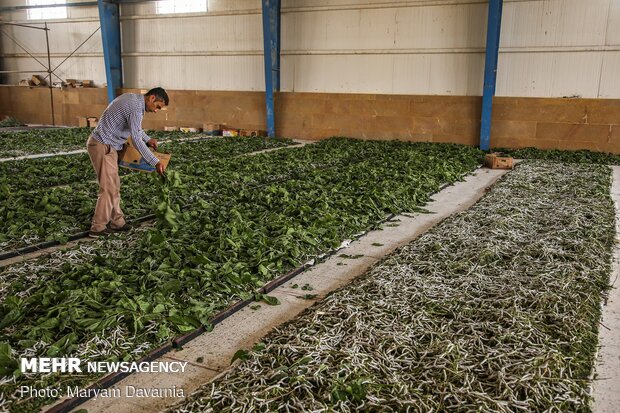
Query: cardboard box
[
  {"x": 92, "y": 122},
  {"x": 82, "y": 121},
  {"x": 212, "y": 129},
  {"x": 498, "y": 160},
  {"x": 37, "y": 81},
  {"x": 187, "y": 130},
  {"x": 130, "y": 158},
  {"x": 230, "y": 132},
  {"x": 87, "y": 83},
  {"x": 252, "y": 132},
  {"x": 24, "y": 82}
]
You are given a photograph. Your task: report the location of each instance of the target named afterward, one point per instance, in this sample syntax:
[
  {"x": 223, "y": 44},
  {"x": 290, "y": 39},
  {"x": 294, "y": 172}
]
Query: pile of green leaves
[
  {"x": 227, "y": 147},
  {"x": 38, "y": 173},
  {"x": 167, "y": 211},
  {"x": 580, "y": 156},
  {"x": 53, "y": 140},
  {"x": 51, "y": 198},
  {"x": 495, "y": 309},
  {"x": 38, "y": 141},
  {"x": 9, "y": 122},
  {"x": 249, "y": 219}
]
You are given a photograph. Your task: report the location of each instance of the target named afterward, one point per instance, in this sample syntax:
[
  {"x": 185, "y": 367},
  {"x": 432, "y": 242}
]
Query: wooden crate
[
  {"x": 498, "y": 160},
  {"x": 212, "y": 129},
  {"x": 252, "y": 133}
]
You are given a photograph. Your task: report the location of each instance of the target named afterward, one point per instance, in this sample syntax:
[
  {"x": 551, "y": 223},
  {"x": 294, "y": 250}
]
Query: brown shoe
[
  {"x": 124, "y": 228},
  {"x": 99, "y": 234}
]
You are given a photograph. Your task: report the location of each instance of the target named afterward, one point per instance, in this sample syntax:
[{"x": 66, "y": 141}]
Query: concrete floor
[
  {"x": 246, "y": 327},
  {"x": 606, "y": 386}
]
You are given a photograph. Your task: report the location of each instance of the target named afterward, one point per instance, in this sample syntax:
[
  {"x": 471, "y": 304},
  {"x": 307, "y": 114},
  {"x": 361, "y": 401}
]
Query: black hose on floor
[{"x": 48, "y": 244}]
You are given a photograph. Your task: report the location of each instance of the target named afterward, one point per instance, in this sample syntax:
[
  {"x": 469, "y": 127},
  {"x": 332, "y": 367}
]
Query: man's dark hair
[{"x": 159, "y": 93}]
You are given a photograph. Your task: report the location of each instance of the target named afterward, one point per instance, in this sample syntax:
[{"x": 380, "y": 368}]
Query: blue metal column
[
  {"x": 271, "y": 40},
  {"x": 494, "y": 24},
  {"x": 111, "y": 37}
]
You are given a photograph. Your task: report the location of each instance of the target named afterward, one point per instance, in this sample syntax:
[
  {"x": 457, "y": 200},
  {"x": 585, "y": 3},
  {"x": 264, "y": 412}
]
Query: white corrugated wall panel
[
  {"x": 395, "y": 74},
  {"x": 549, "y": 74},
  {"x": 217, "y": 33},
  {"x": 610, "y": 76},
  {"x": 548, "y": 47},
  {"x": 554, "y": 23},
  {"x": 385, "y": 50},
  {"x": 233, "y": 5},
  {"x": 554, "y": 47},
  {"x": 64, "y": 37},
  {"x": 613, "y": 24},
  {"x": 461, "y": 26},
  {"x": 92, "y": 67},
  {"x": 195, "y": 72},
  {"x": 213, "y": 6},
  {"x": 445, "y": 74},
  {"x": 340, "y": 29},
  {"x": 340, "y": 74}
]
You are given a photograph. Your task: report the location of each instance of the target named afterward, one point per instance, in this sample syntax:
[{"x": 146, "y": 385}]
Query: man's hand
[
  {"x": 152, "y": 143},
  {"x": 160, "y": 168}
]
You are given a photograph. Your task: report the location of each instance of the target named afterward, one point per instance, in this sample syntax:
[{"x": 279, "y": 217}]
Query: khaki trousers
[{"x": 108, "y": 210}]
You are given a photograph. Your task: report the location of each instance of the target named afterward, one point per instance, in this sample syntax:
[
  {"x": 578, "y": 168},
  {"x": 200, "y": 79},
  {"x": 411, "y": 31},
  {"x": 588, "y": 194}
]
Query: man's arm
[
  {"x": 148, "y": 140},
  {"x": 135, "y": 125}
]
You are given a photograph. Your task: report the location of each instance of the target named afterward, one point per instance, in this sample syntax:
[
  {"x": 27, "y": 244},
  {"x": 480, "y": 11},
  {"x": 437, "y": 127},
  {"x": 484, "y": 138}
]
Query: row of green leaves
[
  {"x": 10, "y": 122},
  {"x": 52, "y": 140},
  {"x": 29, "y": 174},
  {"x": 557, "y": 155},
  {"x": 254, "y": 218},
  {"x": 35, "y": 209},
  {"x": 495, "y": 309}
]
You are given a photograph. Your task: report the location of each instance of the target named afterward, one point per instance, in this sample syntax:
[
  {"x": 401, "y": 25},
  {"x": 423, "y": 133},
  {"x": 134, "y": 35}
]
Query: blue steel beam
[
  {"x": 271, "y": 41},
  {"x": 494, "y": 24},
  {"x": 111, "y": 37}
]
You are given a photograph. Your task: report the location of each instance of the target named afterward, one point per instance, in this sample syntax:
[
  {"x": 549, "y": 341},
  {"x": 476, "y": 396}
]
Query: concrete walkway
[
  {"x": 606, "y": 386},
  {"x": 209, "y": 355}
]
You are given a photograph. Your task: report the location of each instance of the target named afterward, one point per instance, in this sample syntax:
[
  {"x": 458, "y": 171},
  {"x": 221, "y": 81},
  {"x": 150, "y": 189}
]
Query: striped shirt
[{"x": 121, "y": 119}]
